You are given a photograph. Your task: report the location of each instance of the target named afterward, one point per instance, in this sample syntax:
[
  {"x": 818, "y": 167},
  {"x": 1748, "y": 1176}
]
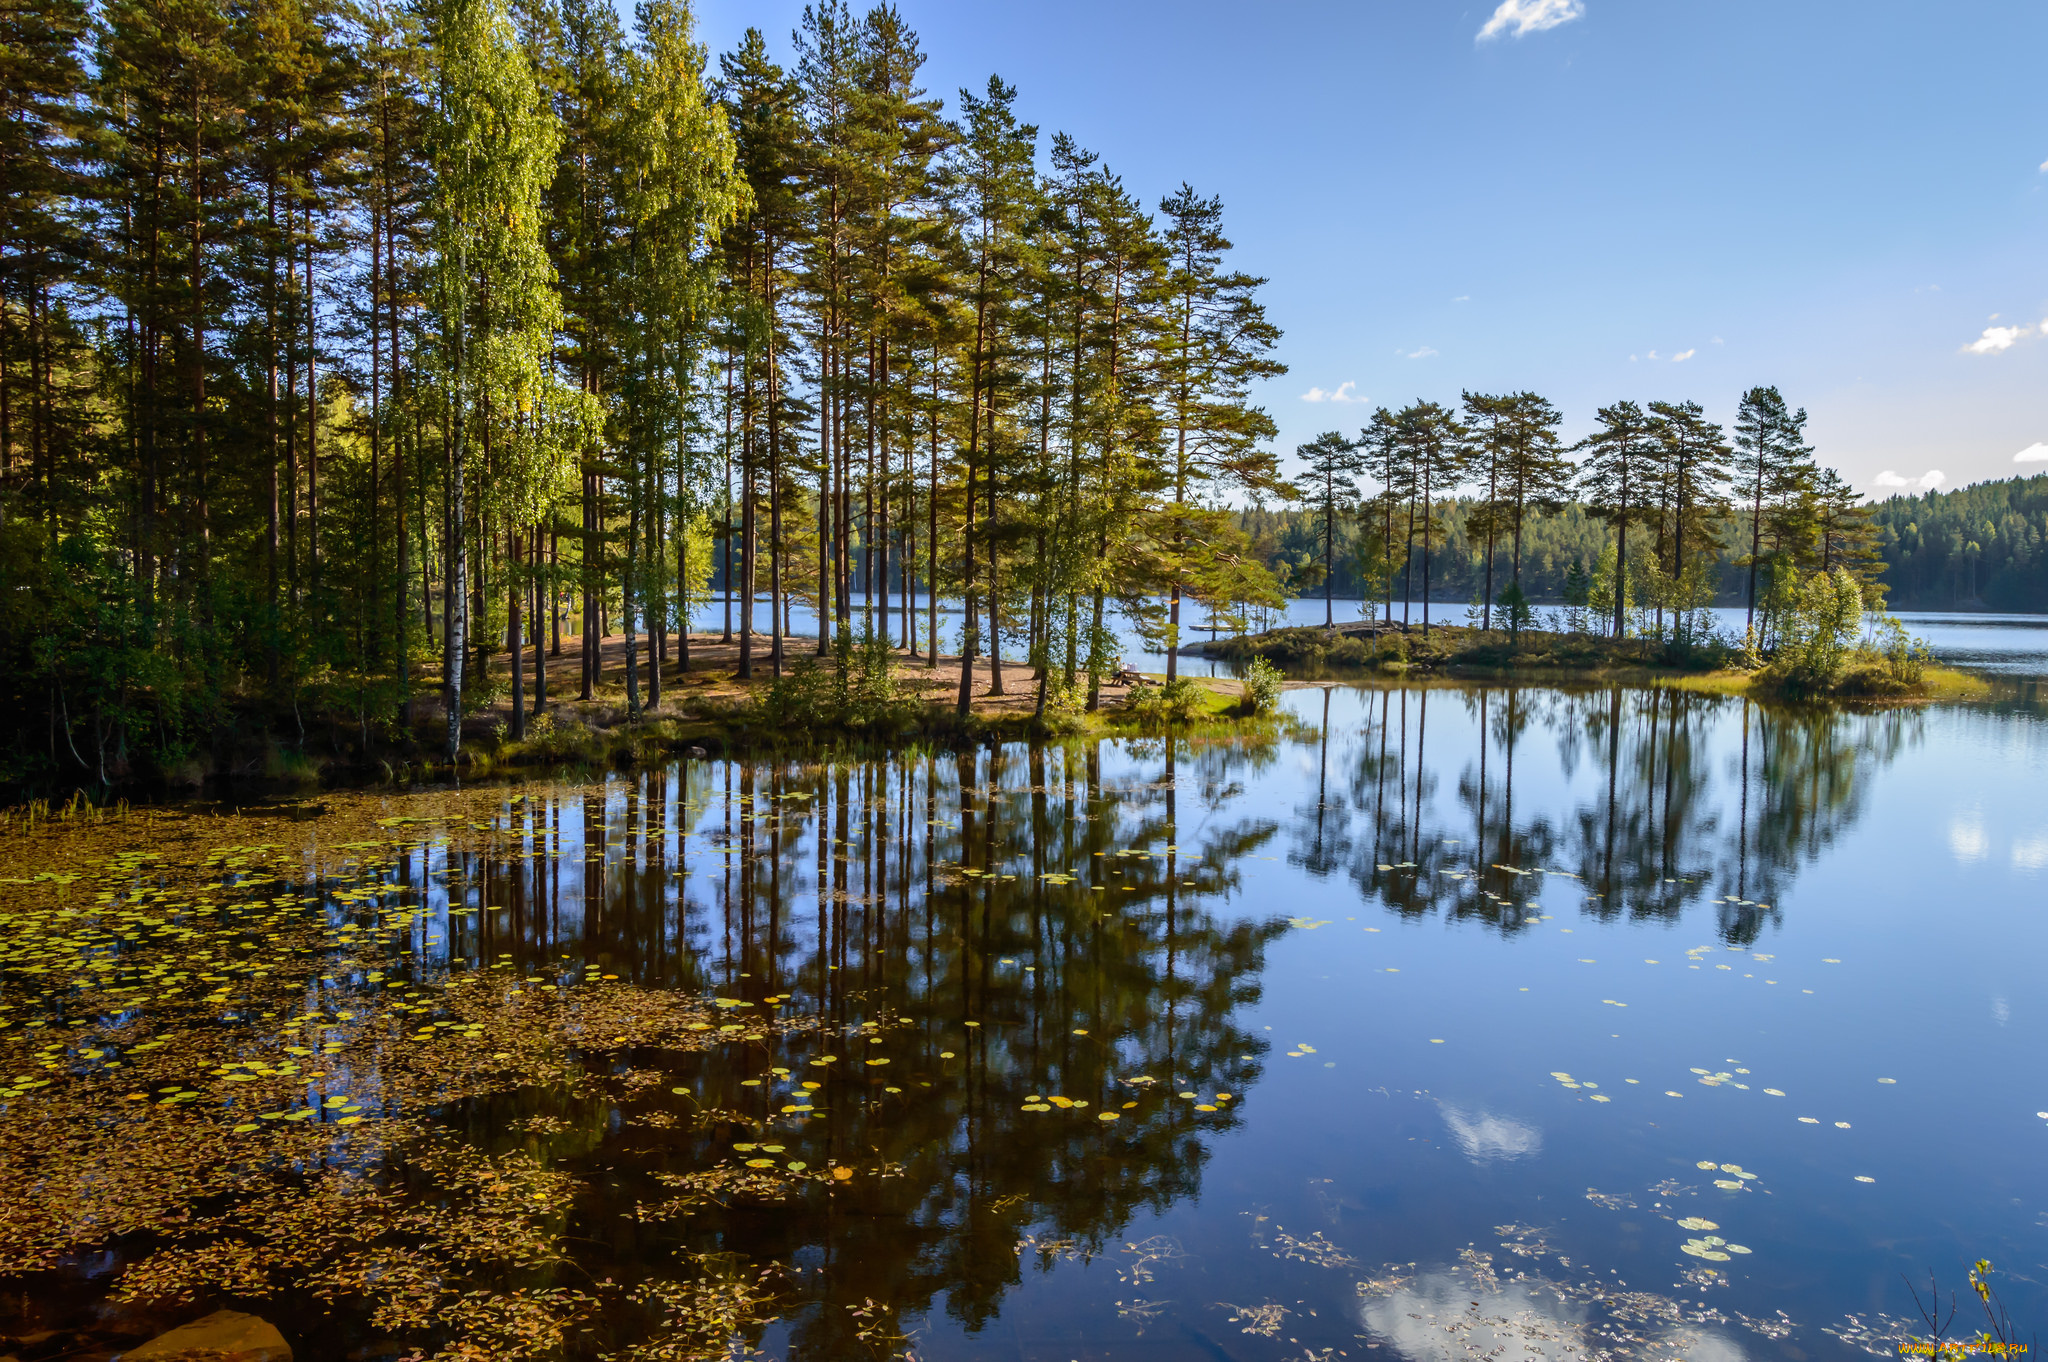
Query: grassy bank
[
  {"x": 1459, "y": 649},
  {"x": 872, "y": 700},
  {"x": 1935, "y": 683},
  {"x": 1852, "y": 673}
]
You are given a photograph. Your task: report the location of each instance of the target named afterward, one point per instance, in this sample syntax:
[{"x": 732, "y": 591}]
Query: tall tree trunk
[
  {"x": 931, "y": 511},
  {"x": 313, "y": 566},
  {"x": 775, "y": 616},
  {"x": 456, "y": 560},
  {"x": 270, "y": 539},
  {"x": 376, "y": 525},
  {"x": 746, "y": 667},
  {"x": 969, "y": 641},
  {"x": 628, "y": 597},
  {"x": 725, "y": 539},
  {"x": 827, "y": 453},
  {"x": 543, "y": 591},
  {"x": 515, "y": 635}
]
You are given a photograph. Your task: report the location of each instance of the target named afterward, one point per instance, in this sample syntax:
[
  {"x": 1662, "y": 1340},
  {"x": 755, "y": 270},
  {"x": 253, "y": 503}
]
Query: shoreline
[
  {"x": 1379, "y": 650},
  {"x": 704, "y": 707},
  {"x": 708, "y": 710}
]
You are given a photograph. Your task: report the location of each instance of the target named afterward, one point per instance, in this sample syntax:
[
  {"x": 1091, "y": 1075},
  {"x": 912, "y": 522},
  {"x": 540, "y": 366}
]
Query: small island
[{"x": 1852, "y": 660}]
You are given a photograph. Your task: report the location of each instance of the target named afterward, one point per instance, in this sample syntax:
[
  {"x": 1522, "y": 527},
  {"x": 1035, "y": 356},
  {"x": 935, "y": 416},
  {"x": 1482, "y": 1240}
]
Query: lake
[
  {"x": 1455, "y": 1021},
  {"x": 2011, "y": 645}
]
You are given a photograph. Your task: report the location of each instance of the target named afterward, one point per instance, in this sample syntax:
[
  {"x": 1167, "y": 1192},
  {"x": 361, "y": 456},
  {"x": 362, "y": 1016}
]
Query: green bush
[
  {"x": 801, "y": 698},
  {"x": 1815, "y": 625},
  {"x": 1261, "y": 686},
  {"x": 859, "y": 692},
  {"x": 1512, "y": 608},
  {"x": 1172, "y": 705}
]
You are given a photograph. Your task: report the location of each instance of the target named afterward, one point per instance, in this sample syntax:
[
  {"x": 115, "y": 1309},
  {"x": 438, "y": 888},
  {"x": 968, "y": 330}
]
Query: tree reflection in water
[
  {"x": 1657, "y": 799},
  {"x": 925, "y": 904},
  {"x": 980, "y": 956}
]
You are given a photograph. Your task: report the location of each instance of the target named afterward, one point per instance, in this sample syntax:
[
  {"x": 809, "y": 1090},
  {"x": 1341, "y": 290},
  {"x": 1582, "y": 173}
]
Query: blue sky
[{"x": 1657, "y": 199}]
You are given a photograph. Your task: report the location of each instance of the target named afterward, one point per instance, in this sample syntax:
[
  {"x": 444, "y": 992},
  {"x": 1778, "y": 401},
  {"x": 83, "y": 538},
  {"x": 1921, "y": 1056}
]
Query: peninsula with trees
[{"x": 381, "y": 380}]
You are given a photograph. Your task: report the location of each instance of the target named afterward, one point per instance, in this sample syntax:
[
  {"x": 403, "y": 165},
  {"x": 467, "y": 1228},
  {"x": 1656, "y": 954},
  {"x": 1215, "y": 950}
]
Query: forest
[
  {"x": 1977, "y": 547},
  {"x": 357, "y": 361}
]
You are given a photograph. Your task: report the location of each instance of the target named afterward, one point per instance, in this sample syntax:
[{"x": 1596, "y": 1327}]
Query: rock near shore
[{"x": 223, "y": 1336}]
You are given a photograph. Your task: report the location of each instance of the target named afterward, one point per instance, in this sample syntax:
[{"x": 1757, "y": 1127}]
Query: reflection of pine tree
[
  {"x": 1639, "y": 849},
  {"x": 1663, "y": 828},
  {"x": 1323, "y": 841},
  {"x": 848, "y": 887}
]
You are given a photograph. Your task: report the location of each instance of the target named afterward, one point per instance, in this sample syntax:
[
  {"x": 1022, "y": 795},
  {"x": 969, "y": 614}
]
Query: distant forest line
[{"x": 1973, "y": 548}]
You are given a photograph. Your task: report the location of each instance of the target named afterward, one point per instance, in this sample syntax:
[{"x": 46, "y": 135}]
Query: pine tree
[
  {"x": 1434, "y": 445},
  {"x": 761, "y": 101},
  {"x": 1617, "y": 480},
  {"x": 1490, "y": 418},
  {"x": 1329, "y": 487},
  {"x": 580, "y": 55},
  {"x": 42, "y": 85},
  {"x": 1845, "y": 535},
  {"x": 1384, "y": 459},
  {"x": 1692, "y": 479},
  {"x": 994, "y": 191},
  {"x": 1535, "y": 473},
  {"x": 1773, "y": 469},
  {"x": 1213, "y": 347}
]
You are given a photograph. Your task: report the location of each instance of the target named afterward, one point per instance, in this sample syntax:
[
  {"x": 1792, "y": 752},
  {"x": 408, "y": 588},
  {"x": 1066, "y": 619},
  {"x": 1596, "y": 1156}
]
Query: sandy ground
[{"x": 713, "y": 673}]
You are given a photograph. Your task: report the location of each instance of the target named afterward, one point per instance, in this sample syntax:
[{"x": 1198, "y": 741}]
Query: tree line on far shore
[
  {"x": 1653, "y": 513},
  {"x": 1973, "y": 548}
]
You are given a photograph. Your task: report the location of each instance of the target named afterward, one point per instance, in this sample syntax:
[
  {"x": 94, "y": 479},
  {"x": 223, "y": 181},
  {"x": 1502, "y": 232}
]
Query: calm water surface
[
  {"x": 2014, "y": 646},
  {"x": 1423, "y": 1028}
]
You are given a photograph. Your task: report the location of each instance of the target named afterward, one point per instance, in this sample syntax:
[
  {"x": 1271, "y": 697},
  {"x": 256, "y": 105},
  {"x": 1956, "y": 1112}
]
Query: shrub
[
  {"x": 800, "y": 698},
  {"x": 1815, "y": 634},
  {"x": 1261, "y": 686},
  {"x": 1815, "y": 624},
  {"x": 1176, "y": 703},
  {"x": 859, "y": 691},
  {"x": 1512, "y": 608}
]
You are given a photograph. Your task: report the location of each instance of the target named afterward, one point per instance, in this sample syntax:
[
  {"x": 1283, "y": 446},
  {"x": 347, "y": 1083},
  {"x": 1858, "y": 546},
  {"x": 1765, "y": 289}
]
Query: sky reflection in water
[{"x": 1422, "y": 1028}]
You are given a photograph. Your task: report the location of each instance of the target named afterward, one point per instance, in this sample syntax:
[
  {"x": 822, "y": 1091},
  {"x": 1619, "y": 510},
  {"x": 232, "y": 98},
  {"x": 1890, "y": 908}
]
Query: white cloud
[
  {"x": 1996, "y": 338},
  {"x": 1530, "y": 16},
  {"x": 1419, "y": 352},
  {"x": 2033, "y": 453},
  {"x": 1683, "y": 355},
  {"x": 2030, "y": 853},
  {"x": 1926, "y": 482},
  {"x": 1462, "y": 298},
  {"x": 1342, "y": 393},
  {"x": 2044, "y": 165},
  {"x": 1485, "y": 1137},
  {"x": 1652, "y": 353},
  {"x": 1529, "y": 1320},
  {"x": 1966, "y": 838}
]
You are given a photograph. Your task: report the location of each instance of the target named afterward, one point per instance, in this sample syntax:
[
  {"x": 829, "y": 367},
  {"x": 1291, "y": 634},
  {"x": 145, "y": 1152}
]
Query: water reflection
[
  {"x": 1017, "y": 983},
  {"x": 1654, "y": 800},
  {"x": 1013, "y": 927}
]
